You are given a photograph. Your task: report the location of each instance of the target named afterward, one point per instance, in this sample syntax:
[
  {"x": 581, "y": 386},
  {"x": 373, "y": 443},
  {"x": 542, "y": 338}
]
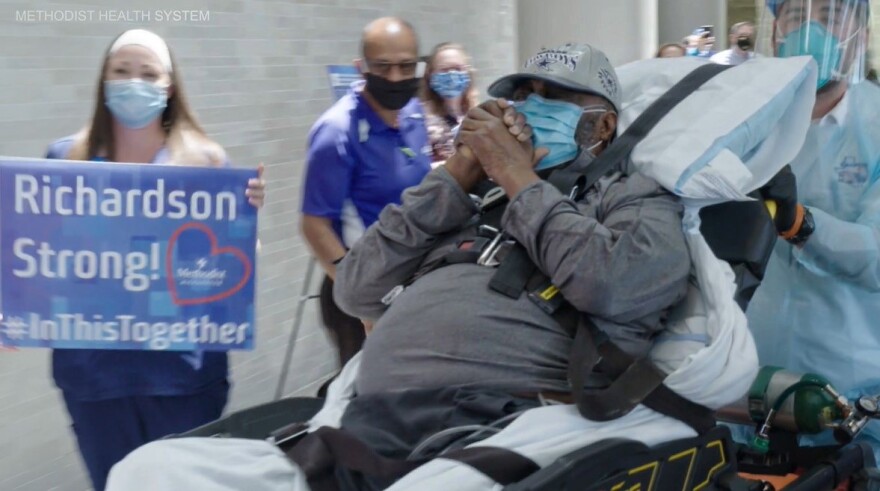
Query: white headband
[{"x": 147, "y": 39}]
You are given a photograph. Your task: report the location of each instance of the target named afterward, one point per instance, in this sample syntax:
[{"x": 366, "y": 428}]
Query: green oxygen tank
[{"x": 808, "y": 410}]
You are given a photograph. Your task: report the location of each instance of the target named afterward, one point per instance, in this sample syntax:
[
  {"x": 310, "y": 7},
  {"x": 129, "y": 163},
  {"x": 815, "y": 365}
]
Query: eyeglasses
[
  {"x": 407, "y": 68},
  {"x": 460, "y": 68},
  {"x": 549, "y": 92}
]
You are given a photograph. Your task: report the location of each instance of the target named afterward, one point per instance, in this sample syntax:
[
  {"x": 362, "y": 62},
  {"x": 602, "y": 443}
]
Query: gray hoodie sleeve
[
  {"x": 392, "y": 249},
  {"x": 627, "y": 262}
]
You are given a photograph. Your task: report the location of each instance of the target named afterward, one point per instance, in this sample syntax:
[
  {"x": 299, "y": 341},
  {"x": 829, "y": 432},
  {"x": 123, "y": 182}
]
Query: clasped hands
[{"x": 494, "y": 141}]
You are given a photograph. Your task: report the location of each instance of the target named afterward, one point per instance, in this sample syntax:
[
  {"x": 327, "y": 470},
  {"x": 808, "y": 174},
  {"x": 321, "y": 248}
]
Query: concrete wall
[
  {"x": 254, "y": 71},
  {"x": 740, "y": 11},
  {"x": 626, "y": 30},
  {"x": 874, "y": 39},
  {"x": 678, "y": 18}
]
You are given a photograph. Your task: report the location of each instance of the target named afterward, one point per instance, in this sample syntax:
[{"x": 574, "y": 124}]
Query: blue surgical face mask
[
  {"x": 134, "y": 102},
  {"x": 813, "y": 39},
  {"x": 554, "y": 124},
  {"x": 691, "y": 51},
  {"x": 450, "y": 85}
]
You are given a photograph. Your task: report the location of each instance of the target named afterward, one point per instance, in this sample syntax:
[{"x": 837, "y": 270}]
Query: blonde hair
[
  {"x": 436, "y": 104},
  {"x": 187, "y": 142}
]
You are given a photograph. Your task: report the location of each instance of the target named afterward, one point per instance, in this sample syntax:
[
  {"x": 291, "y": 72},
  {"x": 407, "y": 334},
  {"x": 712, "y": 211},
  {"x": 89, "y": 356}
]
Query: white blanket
[
  {"x": 729, "y": 137},
  {"x": 723, "y": 142}
]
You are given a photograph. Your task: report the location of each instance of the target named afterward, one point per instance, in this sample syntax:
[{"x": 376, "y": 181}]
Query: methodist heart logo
[{"x": 203, "y": 277}]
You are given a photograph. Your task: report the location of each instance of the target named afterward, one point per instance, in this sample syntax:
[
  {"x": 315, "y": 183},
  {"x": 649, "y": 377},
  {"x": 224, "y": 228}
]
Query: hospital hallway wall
[
  {"x": 627, "y": 30},
  {"x": 254, "y": 71}
]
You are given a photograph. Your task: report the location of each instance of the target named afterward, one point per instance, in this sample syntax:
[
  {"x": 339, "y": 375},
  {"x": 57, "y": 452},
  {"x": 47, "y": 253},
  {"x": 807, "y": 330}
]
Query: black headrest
[{"x": 741, "y": 233}]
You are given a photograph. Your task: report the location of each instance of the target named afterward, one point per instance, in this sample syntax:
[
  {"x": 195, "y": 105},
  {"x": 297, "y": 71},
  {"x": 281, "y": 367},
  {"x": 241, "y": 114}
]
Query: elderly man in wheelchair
[{"x": 556, "y": 306}]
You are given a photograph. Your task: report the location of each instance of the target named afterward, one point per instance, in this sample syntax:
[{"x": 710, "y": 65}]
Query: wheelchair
[{"x": 742, "y": 234}]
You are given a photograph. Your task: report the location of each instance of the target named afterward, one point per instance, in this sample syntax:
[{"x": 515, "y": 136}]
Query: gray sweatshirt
[{"x": 619, "y": 255}]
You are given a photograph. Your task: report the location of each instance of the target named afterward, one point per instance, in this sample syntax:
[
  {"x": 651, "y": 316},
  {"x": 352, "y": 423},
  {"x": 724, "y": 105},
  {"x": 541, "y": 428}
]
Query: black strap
[
  {"x": 454, "y": 257},
  {"x": 513, "y": 273},
  {"x": 567, "y": 180},
  {"x": 319, "y": 453},
  {"x": 631, "y": 382},
  {"x": 666, "y": 401},
  {"x": 500, "y": 464}
]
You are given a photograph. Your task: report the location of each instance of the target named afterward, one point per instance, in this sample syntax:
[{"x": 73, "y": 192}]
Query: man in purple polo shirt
[{"x": 363, "y": 152}]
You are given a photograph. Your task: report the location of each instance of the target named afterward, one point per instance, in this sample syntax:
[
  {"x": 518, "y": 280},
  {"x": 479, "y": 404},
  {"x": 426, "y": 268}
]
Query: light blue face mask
[
  {"x": 450, "y": 85},
  {"x": 554, "y": 124},
  {"x": 813, "y": 39},
  {"x": 134, "y": 102}
]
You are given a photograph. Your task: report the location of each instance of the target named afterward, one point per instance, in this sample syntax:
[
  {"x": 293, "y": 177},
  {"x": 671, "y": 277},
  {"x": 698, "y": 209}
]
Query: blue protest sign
[
  {"x": 125, "y": 256},
  {"x": 341, "y": 78}
]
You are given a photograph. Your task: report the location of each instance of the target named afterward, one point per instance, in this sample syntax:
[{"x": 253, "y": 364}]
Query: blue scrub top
[
  {"x": 90, "y": 375},
  {"x": 357, "y": 164}
]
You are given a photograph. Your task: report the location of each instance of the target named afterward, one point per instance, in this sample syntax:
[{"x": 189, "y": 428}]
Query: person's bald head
[{"x": 389, "y": 39}]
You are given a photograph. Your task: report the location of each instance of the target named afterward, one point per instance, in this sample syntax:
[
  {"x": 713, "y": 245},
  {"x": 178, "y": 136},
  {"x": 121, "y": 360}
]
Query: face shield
[{"x": 833, "y": 32}]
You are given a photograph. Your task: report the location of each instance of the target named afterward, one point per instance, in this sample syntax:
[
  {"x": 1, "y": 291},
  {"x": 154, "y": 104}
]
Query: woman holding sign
[{"x": 117, "y": 399}]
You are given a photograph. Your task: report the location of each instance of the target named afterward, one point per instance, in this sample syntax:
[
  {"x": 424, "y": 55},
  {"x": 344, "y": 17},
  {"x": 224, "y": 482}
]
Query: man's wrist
[
  {"x": 466, "y": 174},
  {"x": 516, "y": 180}
]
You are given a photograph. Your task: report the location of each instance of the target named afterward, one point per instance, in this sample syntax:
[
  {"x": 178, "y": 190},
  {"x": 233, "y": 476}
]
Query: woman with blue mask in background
[
  {"x": 118, "y": 399},
  {"x": 448, "y": 93},
  {"x": 817, "y": 308}
]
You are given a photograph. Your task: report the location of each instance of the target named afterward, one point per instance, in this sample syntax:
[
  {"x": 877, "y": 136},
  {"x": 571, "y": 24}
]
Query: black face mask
[
  {"x": 391, "y": 95},
  {"x": 744, "y": 43}
]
